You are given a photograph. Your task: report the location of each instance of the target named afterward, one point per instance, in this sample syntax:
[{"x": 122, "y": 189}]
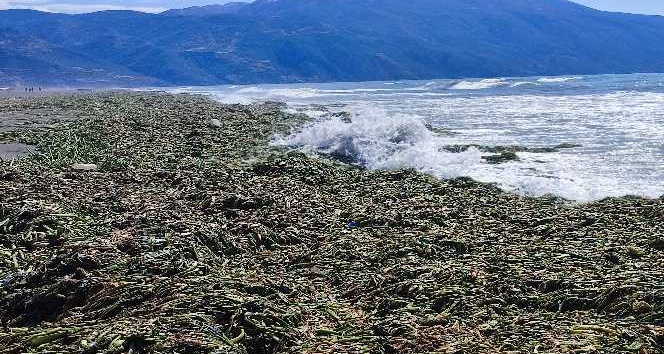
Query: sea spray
[
  {"x": 478, "y": 85},
  {"x": 377, "y": 140},
  {"x": 558, "y": 79},
  {"x": 615, "y": 122}
]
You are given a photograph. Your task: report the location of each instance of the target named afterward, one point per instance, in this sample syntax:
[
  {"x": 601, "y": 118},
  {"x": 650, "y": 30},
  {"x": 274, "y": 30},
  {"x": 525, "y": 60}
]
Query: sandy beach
[{"x": 147, "y": 222}]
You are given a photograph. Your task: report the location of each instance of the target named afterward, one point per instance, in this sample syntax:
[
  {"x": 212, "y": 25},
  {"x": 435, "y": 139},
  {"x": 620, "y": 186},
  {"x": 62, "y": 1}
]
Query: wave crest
[
  {"x": 377, "y": 140},
  {"x": 558, "y": 79},
  {"x": 478, "y": 85}
]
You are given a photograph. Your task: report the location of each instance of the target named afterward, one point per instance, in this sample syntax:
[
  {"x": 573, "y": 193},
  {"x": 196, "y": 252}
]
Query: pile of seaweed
[{"x": 160, "y": 223}]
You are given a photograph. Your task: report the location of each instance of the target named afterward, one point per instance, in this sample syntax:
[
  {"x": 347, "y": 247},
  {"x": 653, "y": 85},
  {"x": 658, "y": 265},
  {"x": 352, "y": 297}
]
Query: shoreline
[
  {"x": 193, "y": 236},
  {"x": 495, "y": 154},
  {"x": 56, "y": 91},
  {"x": 21, "y": 93}
]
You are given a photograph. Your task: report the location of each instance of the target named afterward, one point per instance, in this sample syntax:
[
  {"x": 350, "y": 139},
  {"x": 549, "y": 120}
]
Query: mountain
[
  {"x": 26, "y": 59},
  {"x": 280, "y": 41},
  {"x": 208, "y": 10}
]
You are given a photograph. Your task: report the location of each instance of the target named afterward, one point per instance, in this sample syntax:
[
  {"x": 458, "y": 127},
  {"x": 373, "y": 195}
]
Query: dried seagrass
[{"x": 198, "y": 237}]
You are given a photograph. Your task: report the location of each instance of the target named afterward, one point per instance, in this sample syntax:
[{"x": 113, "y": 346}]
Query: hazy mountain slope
[
  {"x": 348, "y": 40},
  {"x": 26, "y": 59},
  {"x": 208, "y": 10}
]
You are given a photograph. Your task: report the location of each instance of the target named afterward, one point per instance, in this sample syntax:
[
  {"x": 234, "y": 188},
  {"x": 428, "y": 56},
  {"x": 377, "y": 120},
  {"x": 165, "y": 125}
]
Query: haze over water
[{"x": 617, "y": 119}]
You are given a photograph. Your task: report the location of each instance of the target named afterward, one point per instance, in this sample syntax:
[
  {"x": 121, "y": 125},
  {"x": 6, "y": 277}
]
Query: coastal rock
[
  {"x": 439, "y": 130},
  {"x": 567, "y": 146},
  {"x": 85, "y": 167},
  {"x": 345, "y": 117},
  {"x": 9, "y": 151},
  {"x": 501, "y": 158},
  {"x": 215, "y": 123},
  {"x": 499, "y": 149}
]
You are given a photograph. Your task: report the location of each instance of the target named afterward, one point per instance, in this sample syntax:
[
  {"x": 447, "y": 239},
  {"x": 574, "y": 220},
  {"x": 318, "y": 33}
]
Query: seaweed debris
[
  {"x": 511, "y": 149},
  {"x": 194, "y": 237}
]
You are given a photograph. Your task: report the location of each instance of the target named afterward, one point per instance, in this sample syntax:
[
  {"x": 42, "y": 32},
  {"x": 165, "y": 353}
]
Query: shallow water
[
  {"x": 10, "y": 151},
  {"x": 617, "y": 119}
]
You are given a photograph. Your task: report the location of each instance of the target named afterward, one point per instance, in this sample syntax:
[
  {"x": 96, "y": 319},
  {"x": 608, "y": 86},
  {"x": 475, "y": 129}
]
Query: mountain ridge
[
  {"x": 328, "y": 40},
  {"x": 207, "y": 10}
]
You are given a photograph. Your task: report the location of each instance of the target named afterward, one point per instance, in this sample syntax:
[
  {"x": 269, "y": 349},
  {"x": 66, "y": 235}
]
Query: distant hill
[
  {"x": 326, "y": 40},
  {"x": 209, "y": 10}
]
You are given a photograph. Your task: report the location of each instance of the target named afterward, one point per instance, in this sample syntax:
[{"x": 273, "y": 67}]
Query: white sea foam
[
  {"x": 381, "y": 141},
  {"x": 378, "y": 139},
  {"x": 478, "y": 85},
  {"x": 621, "y": 132},
  {"x": 175, "y": 91},
  {"x": 283, "y": 92},
  {"x": 559, "y": 79},
  {"x": 522, "y": 83},
  {"x": 250, "y": 94}
]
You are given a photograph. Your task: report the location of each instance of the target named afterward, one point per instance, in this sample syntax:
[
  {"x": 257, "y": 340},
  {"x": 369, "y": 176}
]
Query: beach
[{"x": 151, "y": 222}]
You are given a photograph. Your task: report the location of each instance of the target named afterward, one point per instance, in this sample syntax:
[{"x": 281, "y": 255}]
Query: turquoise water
[{"x": 617, "y": 119}]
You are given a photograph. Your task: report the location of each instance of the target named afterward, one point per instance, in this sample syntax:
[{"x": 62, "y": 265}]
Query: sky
[{"x": 79, "y": 6}]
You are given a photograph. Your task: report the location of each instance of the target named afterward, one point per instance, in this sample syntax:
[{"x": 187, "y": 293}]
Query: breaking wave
[
  {"x": 617, "y": 119},
  {"x": 559, "y": 79},
  {"x": 478, "y": 85},
  {"x": 522, "y": 83},
  {"x": 281, "y": 92},
  {"x": 378, "y": 140}
]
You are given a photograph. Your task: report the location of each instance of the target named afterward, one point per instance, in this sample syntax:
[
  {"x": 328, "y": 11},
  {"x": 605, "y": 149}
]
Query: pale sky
[
  {"x": 655, "y": 7},
  {"x": 81, "y": 6},
  {"x": 78, "y": 6}
]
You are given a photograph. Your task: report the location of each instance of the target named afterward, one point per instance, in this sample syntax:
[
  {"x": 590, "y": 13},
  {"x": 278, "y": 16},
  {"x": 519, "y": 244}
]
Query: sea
[{"x": 612, "y": 125}]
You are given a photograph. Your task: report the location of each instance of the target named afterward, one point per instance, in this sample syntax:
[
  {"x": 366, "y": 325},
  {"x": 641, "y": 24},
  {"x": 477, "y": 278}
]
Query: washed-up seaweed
[{"x": 191, "y": 234}]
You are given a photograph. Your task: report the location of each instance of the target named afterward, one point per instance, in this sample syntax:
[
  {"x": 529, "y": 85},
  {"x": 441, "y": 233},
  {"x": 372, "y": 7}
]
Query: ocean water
[{"x": 617, "y": 121}]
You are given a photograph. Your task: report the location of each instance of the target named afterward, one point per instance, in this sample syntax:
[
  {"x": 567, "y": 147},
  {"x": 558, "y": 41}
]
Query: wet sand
[
  {"x": 21, "y": 93},
  {"x": 9, "y": 151}
]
